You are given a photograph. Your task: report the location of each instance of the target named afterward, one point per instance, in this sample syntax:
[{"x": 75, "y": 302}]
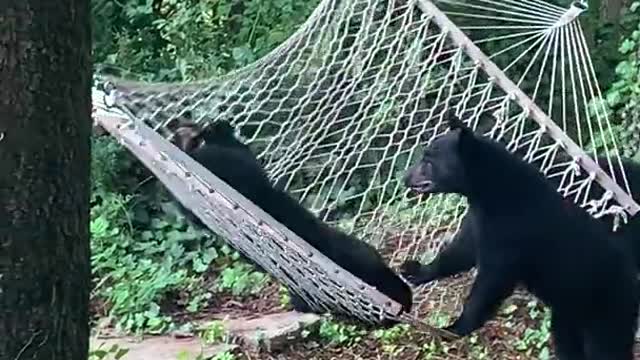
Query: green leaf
[
  {"x": 159, "y": 224},
  {"x": 242, "y": 55},
  {"x": 627, "y": 46},
  {"x": 613, "y": 98},
  {"x": 121, "y": 353},
  {"x": 99, "y": 226},
  {"x": 100, "y": 354},
  {"x": 626, "y": 69},
  {"x": 510, "y": 309},
  {"x": 210, "y": 255},
  {"x": 183, "y": 355},
  {"x": 199, "y": 266},
  {"x": 147, "y": 235},
  {"x": 175, "y": 236},
  {"x": 545, "y": 354}
]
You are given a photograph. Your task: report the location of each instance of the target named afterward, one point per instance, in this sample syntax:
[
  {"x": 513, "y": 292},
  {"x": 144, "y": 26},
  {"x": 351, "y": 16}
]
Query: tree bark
[
  {"x": 611, "y": 10},
  {"x": 45, "y": 126}
]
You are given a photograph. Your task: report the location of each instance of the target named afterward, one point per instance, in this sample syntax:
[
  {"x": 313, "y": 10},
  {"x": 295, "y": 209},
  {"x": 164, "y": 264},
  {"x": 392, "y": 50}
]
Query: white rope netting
[{"x": 339, "y": 111}]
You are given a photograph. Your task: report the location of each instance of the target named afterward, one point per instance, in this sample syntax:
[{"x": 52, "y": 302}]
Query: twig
[{"x": 24, "y": 348}]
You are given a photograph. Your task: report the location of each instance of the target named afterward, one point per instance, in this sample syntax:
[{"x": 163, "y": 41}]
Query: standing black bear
[
  {"x": 459, "y": 255},
  {"x": 218, "y": 150},
  {"x": 527, "y": 234}
]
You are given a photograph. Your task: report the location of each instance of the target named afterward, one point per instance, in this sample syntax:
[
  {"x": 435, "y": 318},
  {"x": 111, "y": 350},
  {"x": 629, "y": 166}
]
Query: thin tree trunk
[
  {"x": 611, "y": 10},
  {"x": 45, "y": 77}
]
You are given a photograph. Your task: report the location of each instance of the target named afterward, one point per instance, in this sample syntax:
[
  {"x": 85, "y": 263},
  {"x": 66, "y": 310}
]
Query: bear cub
[{"x": 217, "y": 149}]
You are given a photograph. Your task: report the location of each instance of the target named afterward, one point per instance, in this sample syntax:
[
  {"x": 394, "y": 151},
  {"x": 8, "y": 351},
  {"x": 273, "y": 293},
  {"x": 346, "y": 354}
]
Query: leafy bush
[
  {"x": 623, "y": 96},
  {"x": 190, "y": 39},
  {"x": 536, "y": 340},
  {"x": 241, "y": 279},
  {"x": 144, "y": 255},
  {"x": 339, "y": 333}
]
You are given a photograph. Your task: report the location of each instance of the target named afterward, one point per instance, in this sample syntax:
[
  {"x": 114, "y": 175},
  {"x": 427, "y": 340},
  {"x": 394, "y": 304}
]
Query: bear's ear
[
  {"x": 454, "y": 121},
  {"x": 217, "y": 132},
  {"x": 187, "y": 137}
]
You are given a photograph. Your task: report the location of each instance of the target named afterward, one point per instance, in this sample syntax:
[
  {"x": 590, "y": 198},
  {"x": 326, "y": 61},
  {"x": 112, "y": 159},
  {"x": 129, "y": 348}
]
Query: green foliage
[
  {"x": 190, "y": 39},
  {"x": 389, "y": 338},
  {"x": 144, "y": 256},
  {"x": 434, "y": 350},
  {"x": 225, "y": 355},
  {"x": 240, "y": 279},
  {"x": 110, "y": 164},
  {"x": 391, "y": 335},
  {"x": 113, "y": 353},
  {"x": 604, "y": 35},
  {"x": 439, "y": 319},
  {"x": 623, "y": 96},
  {"x": 535, "y": 341},
  {"x": 137, "y": 267},
  {"x": 285, "y": 297},
  {"x": 214, "y": 332},
  {"x": 478, "y": 350},
  {"x": 338, "y": 333}
]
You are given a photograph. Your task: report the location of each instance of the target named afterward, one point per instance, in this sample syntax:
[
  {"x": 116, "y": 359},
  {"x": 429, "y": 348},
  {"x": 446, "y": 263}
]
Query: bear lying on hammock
[{"x": 218, "y": 150}]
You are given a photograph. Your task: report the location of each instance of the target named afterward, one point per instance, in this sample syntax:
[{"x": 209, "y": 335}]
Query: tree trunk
[
  {"x": 45, "y": 126},
  {"x": 611, "y": 10}
]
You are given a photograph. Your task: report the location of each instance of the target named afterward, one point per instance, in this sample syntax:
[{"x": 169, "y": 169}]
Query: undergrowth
[
  {"x": 524, "y": 329},
  {"x": 146, "y": 257}
]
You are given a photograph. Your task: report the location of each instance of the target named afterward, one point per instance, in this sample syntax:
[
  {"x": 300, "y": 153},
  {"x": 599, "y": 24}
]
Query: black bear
[
  {"x": 218, "y": 150},
  {"x": 459, "y": 255},
  {"x": 527, "y": 234}
]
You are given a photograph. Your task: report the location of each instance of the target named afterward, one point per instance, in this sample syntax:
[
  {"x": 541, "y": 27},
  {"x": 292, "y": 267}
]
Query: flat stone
[
  {"x": 161, "y": 347},
  {"x": 270, "y": 332}
]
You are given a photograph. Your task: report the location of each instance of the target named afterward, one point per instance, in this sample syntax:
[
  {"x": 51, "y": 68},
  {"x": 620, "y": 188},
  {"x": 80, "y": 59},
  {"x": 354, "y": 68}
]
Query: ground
[
  {"x": 334, "y": 340},
  {"x": 260, "y": 327}
]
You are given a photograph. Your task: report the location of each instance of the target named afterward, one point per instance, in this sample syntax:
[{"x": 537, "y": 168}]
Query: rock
[
  {"x": 270, "y": 332},
  {"x": 161, "y": 347},
  {"x": 266, "y": 333}
]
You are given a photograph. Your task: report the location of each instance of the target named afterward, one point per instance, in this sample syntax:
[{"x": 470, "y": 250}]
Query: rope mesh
[
  {"x": 314, "y": 277},
  {"x": 341, "y": 109}
]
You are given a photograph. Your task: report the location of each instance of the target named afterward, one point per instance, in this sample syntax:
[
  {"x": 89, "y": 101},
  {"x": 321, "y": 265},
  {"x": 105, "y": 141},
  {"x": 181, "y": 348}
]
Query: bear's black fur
[
  {"x": 218, "y": 150},
  {"x": 527, "y": 234},
  {"x": 459, "y": 255}
]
